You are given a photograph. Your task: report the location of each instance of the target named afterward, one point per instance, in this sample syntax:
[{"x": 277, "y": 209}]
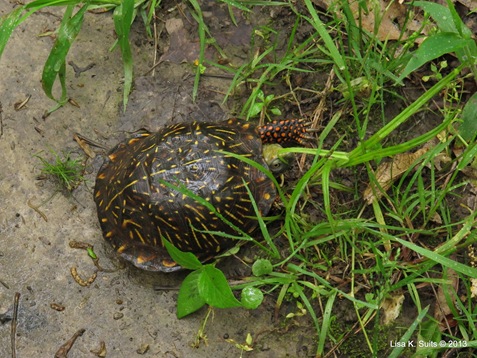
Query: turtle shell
[{"x": 139, "y": 199}]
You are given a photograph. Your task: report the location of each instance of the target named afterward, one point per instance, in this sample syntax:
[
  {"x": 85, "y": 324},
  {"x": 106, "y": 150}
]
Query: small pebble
[
  {"x": 143, "y": 349},
  {"x": 118, "y": 315}
]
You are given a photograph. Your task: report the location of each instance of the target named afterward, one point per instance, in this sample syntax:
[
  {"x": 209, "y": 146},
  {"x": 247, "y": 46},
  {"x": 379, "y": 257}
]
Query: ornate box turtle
[{"x": 136, "y": 208}]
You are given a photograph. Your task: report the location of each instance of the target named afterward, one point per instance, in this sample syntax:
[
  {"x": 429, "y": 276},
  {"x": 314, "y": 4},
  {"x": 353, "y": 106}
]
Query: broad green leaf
[
  {"x": 185, "y": 259},
  {"x": 55, "y": 64},
  {"x": 443, "y": 17},
  {"x": 269, "y": 98},
  {"x": 251, "y": 297},
  {"x": 189, "y": 299},
  {"x": 91, "y": 253},
  {"x": 260, "y": 95},
  {"x": 429, "y": 332},
  {"x": 468, "y": 127},
  {"x": 215, "y": 290},
  {"x": 262, "y": 267},
  {"x": 433, "y": 47},
  {"x": 123, "y": 17},
  {"x": 255, "y": 109}
]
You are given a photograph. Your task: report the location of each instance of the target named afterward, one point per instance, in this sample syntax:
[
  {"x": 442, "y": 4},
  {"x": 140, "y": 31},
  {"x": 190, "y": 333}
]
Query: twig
[
  {"x": 1, "y": 120},
  {"x": 78, "y": 70},
  {"x": 22, "y": 103},
  {"x": 37, "y": 209},
  {"x": 156, "y": 43},
  {"x": 65, "y": 348},
  {"x": 13, "y": 332},
  {"x": 89, "y": 248},
  {"x": 4, "y": 284}
]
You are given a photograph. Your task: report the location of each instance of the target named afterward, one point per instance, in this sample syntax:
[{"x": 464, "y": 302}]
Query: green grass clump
[{"x": 67, "y": 172}]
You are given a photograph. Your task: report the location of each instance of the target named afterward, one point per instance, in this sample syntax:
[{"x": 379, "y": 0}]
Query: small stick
[
  {"x": 20, "y": 104},
  {"x": 1, "y": 120},
  {"x": 37, "y": 209},
  {"x": 4, "y": 284},
  {"x": 78, "y": 70},
  {"x": 14, "y": 324},
  {"x": 65, "y": 348}
]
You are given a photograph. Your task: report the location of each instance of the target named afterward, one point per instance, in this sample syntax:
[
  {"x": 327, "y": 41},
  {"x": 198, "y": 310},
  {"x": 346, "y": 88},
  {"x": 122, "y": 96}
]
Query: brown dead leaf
[
  {"x": 473, "y": 263},
  {"x": 388, "y": 172},
  {"x": 181, "y": 46},
  {"x": 442, "y": 160},
  {"x": 392, "y": 16},
  {"x": 471, "y": 173},
  {"x": 391, "y": 307},
  {"x": 436, "y": 218},
  {"x": 84, "y": 145}
]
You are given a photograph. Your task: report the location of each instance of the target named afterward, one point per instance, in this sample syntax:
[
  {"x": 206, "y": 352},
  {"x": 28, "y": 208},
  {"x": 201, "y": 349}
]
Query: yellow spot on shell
[
  {"x": 167, "y": 263},
  {"x": 266, "y": 196},
  {"x": 132, "y": 141}
]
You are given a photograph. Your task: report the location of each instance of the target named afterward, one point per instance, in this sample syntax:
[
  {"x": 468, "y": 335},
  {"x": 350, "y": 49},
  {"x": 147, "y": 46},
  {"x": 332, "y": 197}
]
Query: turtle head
[{"x": 277, "y": 163}]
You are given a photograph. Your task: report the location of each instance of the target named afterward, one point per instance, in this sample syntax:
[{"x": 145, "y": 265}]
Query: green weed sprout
[{"x": 65, "y": 170}]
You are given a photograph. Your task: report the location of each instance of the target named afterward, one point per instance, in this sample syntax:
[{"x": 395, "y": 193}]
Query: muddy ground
[{"x": 122, "y": 308}]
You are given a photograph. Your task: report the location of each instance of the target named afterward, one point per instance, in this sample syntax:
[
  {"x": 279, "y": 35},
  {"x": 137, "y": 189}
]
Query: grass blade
[
  {"x": 407, "y": 336},
  {"x": 444, "y": 261},
  {"x": 320, "y": 28},
  {"x": 7, "y": 25},
  {"x": 326, "y": 324},
  {"x": 123, "y": 16},
  {"x": 201, "y": 30}
]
